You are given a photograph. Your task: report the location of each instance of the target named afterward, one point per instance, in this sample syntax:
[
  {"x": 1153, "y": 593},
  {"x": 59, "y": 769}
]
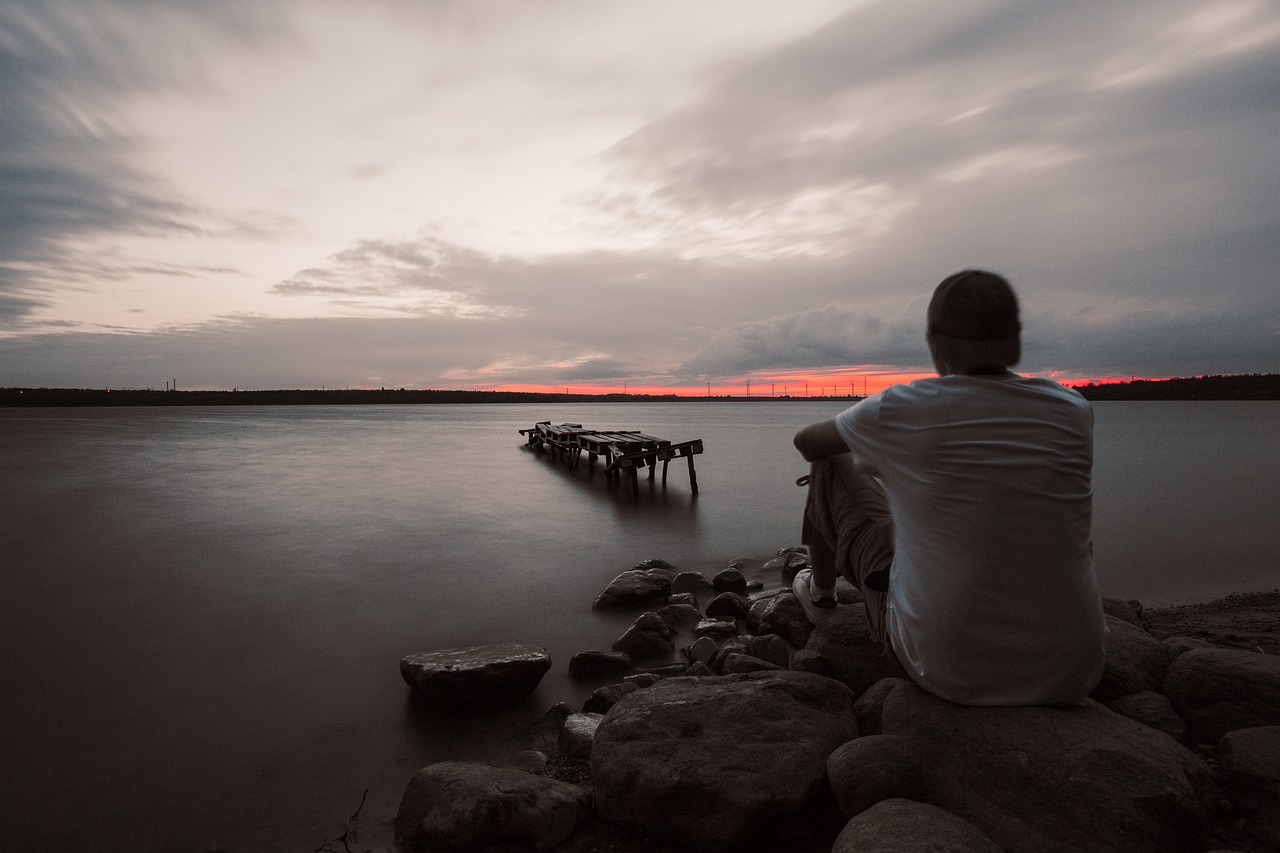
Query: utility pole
[{"x": 708, "y": 390}]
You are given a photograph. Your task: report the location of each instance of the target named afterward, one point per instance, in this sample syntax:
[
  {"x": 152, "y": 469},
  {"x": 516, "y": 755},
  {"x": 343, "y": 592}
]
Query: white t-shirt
[{"x": 993, "y": 597}]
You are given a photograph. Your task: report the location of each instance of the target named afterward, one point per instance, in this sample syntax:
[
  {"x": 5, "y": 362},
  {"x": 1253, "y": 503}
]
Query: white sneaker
[{"x": 814, "y": 608}]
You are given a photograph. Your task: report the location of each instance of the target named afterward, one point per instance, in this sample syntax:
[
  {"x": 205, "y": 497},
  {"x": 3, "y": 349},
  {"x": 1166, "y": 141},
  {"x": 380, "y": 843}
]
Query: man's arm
[{"x": 820, "y": 440}]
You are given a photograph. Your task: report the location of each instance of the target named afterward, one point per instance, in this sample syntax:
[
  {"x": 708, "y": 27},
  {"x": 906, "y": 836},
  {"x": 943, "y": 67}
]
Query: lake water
[{"x": 205, "y": 608}]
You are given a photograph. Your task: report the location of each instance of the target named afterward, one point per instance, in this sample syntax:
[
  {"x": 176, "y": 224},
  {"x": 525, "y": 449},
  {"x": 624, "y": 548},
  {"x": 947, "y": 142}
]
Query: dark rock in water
[
  {"x": 706, "y": 763},
  {"x": 691, "y": 582},
  {"x": 599, "y": 664},
  {"x": 874, "y": 768},
  {"x": 481, "y": 675},
  {"x": 1219, "y": 690},
  {"x": 679, "y": 615},
  {"x": 606, "y": 697},
  {"x": 728, "y": 606},
  {"x": 683, "y": 598},
  {"x": 648, "y": 637},
  {"x": 730, "y": 580},
  {"x": 843, "y": 639},
  {"x": 702, "y": 650},
  {"x": 636, "y": 586},
  {"x": 1135, "y": 661},
  {"x": 1151, "y": 709},
  {"x": 464, "y": 805},
  {"x": 578, "y": 733},
  {"x": 1041, "y": 779},
  {"x": 782, "y": 615},
  {"x": 904, "y": 826},
  {"x": 652, "y": 563},
  {"x": 715, "y": 629}
]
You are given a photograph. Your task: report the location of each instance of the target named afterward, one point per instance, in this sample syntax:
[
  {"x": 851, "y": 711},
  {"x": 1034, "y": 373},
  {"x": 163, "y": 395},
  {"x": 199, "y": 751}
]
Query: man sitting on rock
[{"x": 961, "y": 506}]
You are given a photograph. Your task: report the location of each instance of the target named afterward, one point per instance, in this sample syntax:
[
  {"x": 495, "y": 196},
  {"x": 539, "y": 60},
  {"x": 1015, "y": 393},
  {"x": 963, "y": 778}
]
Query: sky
[{"x": 742, "y": 196}]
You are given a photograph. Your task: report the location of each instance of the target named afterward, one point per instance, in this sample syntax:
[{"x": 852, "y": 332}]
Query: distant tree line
[{"x": 1254, "y": 386}]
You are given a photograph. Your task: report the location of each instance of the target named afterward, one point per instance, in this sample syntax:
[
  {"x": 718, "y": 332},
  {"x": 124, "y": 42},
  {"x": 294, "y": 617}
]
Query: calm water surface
[{"x": 205, "y": 608}]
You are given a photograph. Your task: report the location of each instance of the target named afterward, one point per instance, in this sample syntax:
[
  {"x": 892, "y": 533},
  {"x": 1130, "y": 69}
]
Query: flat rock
[
  {"x": 480, "y": 675},
  {"x": 465, "y": 805},
  {"x": 904, "y": 826},
  {"x": 1041, "y": 779},
  {"x": 1220, "y": 690},
  {"x": 707, "y": 763},
  {"x": 635, "y": 586},
  {"x": 1135, "y": 661}
]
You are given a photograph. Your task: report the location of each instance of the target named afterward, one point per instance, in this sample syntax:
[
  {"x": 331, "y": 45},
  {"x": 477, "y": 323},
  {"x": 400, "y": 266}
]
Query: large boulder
[
  {"x": 457, "y": 679},
  {"x": 904, "y": 826},
  {"x": 706, "y": 763},
  {"x": 635, "y": 586},
  {"x": 465, "y": 805},
  {"x": 1151, "y": 709},
  {"x": 1135, "y": 661},
  {"x": 870, "y": 769},
  {"x": 1054, "y": 779},
  {"x": 843, "y": 639},
  {"x": 1219, "y": 690}
]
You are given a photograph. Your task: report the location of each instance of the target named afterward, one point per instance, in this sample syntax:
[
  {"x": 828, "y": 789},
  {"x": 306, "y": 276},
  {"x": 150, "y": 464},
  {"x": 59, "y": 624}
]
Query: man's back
[{"x": 993, "y": 597}]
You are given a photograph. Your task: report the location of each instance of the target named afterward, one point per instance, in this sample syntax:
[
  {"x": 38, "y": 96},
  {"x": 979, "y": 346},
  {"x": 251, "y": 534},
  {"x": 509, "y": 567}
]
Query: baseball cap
[{"x": 973, "y": 319}]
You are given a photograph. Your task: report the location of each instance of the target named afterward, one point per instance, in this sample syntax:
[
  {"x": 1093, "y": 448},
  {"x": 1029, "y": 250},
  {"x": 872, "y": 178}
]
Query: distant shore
[{"x": 1257, "y": 386}]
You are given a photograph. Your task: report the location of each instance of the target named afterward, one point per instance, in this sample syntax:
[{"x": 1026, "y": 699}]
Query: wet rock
[
  {"x": 1220, "y": 690},
  {"x": 599, "y": 664},
  {"x": 703, "y": 649},
  {"x": 606, "y": 697},
  {"x": 679, "y": 615},
  {"x": 648, "y": 637},
  {"x": 728, "y": 606},
  {"x": 782, "y": 615},
  {"x": 578, "y": 733},
  {"x": 715, "y": 629},
  {"x": 730, "y": 580},
  {"x": 683, "y": 598},
  {"x": 705, "y": 763},
  {"x": 463, "y": 805},
  {"x": 904, "y": 826},
  {"x": 735, "y": 662},
  {"x": 691, "y": 582},
  {"x": 635, "y": 586},
  {"x": 493, "y": 674}
]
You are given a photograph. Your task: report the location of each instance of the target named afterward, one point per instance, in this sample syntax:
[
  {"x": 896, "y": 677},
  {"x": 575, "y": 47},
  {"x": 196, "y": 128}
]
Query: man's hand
[{"x": 820, "y": 440}]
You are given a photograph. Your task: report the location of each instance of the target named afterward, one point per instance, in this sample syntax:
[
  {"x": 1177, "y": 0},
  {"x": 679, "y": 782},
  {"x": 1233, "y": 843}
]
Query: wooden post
[
  {"x": 693, "y": 476},
  {"x": 635, "y": 482}
]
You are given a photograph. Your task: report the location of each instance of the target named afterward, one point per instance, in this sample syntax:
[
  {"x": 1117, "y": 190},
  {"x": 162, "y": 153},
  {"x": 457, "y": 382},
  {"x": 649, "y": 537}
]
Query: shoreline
[{"x": 1242, "y": 620}]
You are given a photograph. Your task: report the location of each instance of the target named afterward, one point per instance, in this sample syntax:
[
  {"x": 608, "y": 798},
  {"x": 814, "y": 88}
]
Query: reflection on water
[{"x": 206, "y": 608}]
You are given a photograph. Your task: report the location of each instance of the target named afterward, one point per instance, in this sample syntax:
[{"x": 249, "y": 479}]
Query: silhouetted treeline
[
  {"x": 1251, "y": 386},
  {"x": 1256, "y": 386}
]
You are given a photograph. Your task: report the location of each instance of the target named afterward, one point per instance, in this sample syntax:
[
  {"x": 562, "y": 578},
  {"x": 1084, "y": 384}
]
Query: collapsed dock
[{"x": 624, "y": 452}]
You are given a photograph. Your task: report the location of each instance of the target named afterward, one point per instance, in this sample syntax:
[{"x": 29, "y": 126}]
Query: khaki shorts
[{"x": 847, "y": 522}]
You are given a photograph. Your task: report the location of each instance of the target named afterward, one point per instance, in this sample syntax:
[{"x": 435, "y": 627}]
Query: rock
[
  {"x": 635, "y": 586},
  {"x": 707, "y": 763},
  {"x": 455, "y": 679},
  {"x": 1252, "y": 754},
  {"x": 683, "y": 598},
  {"x": 655, "y": 563},
  {"x": 771, "y": 648},
  {"x": 782, "y": 615},
  {"x": 1151, "y": 709},
  {"x": 529, "y": 760},
  {"x": 691, "y": 582},
  {"x": 598, "y": 664},
  {"x": 1042, "y": 779},
  {"x": 736, "y": 662},
  {"x": 648, "y": 637},
  {"x": 730, "y": 580},
  {"x": 843, "y": 639},
  {"x": 606, "y": 697},
  {"x": 871, "y": 769},
  {"x": 1178, "y": 645},
  {"x": 703, "y": 650},
  {"x": 1128, "y": 610},
  {"x": 679, "y": 615},
  {"x": 643, "y": 679},
  {"x": 715, "y": 628},
  {"x": 1136, "y": 661},
  {"x": 870, "y": 705},
  {"x": 463, "y": 805},
  {"x": 1220, "y": 690},
  {"x": 728, "y": 606},
  {"x": 807, "y": 661},
  {"x": 698, "y": 669},
  {"x": 903, "y": 826},
  {"x": 578, "y": 732}
]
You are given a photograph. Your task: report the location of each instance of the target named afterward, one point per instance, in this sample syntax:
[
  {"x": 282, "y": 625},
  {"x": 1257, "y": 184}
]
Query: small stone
[
  {"x": 599, "y": 664},
  {"x": 730, "y": 580},
  {"x": 578, "y": 733},
  {"x": 715, "y": 628},
  {"x": 703, "y": 650},
  {"x": 606, "y": 697}
]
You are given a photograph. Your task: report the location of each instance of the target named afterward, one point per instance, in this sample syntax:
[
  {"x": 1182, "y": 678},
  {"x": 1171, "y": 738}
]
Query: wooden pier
[{"x": 624, "y": 452}]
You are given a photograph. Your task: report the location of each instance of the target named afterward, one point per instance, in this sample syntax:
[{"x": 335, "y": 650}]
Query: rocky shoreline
[{"x": 767, "y": 733}]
